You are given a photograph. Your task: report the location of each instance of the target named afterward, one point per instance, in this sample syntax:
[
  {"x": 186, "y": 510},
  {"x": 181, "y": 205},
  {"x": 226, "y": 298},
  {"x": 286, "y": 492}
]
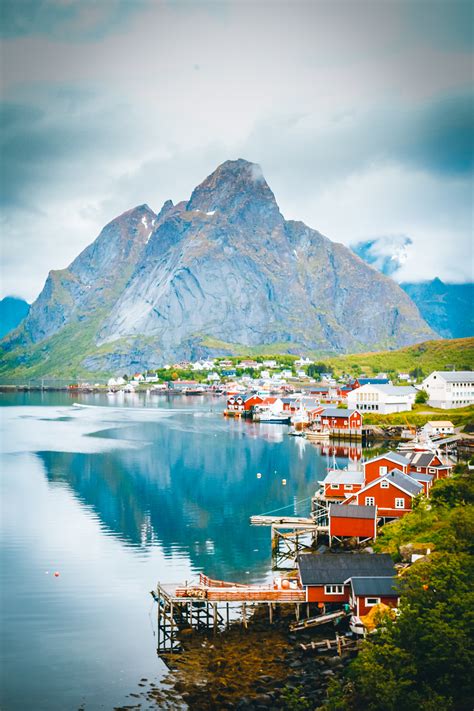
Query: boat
[
  {"x": 274, "y": 419},
  {"x": 317, "y": 436}
]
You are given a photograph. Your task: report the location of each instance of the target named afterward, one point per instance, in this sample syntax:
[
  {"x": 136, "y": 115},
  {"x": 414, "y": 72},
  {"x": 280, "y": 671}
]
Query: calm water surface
[{"x": 116, "y": 496}]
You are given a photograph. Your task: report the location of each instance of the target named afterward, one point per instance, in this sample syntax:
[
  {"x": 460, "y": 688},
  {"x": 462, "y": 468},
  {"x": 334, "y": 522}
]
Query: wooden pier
[
  {"x": 207, "y": 605},
  {"x": 291, "y": 535}
]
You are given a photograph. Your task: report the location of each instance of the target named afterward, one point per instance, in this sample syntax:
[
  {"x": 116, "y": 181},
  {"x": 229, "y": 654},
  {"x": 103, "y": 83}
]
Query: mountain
[
  {"x": 12, "y": 312},
  {"x": 447, "y": 308},
  {"x": 219, "y": 270}
]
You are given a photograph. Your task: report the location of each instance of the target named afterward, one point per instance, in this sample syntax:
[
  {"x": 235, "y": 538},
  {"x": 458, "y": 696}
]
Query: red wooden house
[
  {"x": 366, "y": 592},
  {"x": 392, "y": 493},
  {"x": 428, "y": 463},
  {"x": 352, "y": 522},
  {"x": 340, "y": 420},
  {"x": 338, "y": 484},
  {"x": 326, "y": 578},
  {"x": 381, "y": 465}
]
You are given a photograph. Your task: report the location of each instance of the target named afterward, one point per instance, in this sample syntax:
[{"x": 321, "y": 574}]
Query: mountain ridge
[{"x": 224, "y": 265}]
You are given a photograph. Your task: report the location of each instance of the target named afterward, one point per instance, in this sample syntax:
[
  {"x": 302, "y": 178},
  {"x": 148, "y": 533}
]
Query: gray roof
[
  {"x": 337, "y": 412},
  {"x": 344, "y": 476},
  {"x": 405, "y": 482},
  {"x": 336, "y": 568},
  {"x": 455, "y": 376},
  {"x": 418, "y": 476},
  {"x": 393, "y": 456},
  {"x": 396, "y": 389},
  {"x": 352, "y": 511},
  {"x": 377, "y": 587},
  {"x": 421, "y": 459}
]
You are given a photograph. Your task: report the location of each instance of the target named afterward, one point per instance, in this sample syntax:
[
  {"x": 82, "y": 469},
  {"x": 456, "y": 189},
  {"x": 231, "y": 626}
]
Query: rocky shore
[{"x": 263, "y": 667}]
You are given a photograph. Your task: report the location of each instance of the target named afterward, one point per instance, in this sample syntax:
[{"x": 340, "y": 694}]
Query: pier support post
[
  {"x": 244, "y": 615},
  {"x": 227, "y": 614},
  {"x": 270, "y": 612},
  {"x": 215, "y": 619}
]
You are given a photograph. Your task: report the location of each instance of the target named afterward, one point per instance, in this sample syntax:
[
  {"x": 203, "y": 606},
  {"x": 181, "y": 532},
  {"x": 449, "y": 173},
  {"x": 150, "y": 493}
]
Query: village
[{"x": 324, "y": 564}]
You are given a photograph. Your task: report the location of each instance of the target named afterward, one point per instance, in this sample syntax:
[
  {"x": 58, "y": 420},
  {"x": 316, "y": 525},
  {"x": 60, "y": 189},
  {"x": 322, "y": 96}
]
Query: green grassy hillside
[{"x": 430, "y": 355}]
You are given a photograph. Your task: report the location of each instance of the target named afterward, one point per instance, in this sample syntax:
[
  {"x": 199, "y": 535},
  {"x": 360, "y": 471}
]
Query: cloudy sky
[{"x": 360, "y": 113}]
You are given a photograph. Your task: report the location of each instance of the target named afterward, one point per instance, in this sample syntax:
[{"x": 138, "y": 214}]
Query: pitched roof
[
  {"x": 421, "y": 459},
  {"x": 344, "y": 476},
  {"x": 392, "y": 456},
  {"x": 377, "y": 587},
  {"x": 418, "y": 476},
  {"x": 440, "y": 423},
  {"x": 402, "y": 481},
  {"x": 455, "y": 376},
  {"x": 337, "y": 568},
  {"x": 352, "y": 511},
  {"x": 337, "y": 412}
]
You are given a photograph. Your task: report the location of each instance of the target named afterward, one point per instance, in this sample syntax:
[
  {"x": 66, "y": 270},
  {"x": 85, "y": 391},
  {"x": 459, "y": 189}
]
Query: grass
[
  {"x": 431, "y": 355},
  {"x": 421, "y": 414}
]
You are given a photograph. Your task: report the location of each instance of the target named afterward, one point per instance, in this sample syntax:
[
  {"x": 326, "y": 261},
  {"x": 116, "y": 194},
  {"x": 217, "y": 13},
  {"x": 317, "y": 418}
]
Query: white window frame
[
  {"x": 372, "y": 601},
  {"x": 383, "y": 470},
  {"x": 335, "y": 486},
  {"x": 432, "y": 470},
  {"x": 399, "y": 503},
  {"x": 370, "y": 501},
  {"x": 348, "y": 487},
  {"x": 384, "y": 484},
  {"x": 334, "y": 589}
]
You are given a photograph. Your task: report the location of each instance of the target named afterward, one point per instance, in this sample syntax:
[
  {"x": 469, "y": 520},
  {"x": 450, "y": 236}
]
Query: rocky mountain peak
[{"x": 238, "y": 188}]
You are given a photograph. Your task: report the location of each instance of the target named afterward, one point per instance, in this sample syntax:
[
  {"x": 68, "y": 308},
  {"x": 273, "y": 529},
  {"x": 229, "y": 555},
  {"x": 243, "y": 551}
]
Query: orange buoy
[
  {"x": 283, "y": 481},
  {"x": 56, "y": 575},
  {"x": 285, "y": 584}
]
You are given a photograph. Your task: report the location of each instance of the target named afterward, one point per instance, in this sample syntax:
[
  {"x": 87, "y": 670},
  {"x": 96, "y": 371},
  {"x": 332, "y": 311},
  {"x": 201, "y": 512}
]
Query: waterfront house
[
  {"x": 434, "y": 428},
  {"x": 428, "y": 463},
  {"x": 392, "y": 493},
  {"x": 341, "y": 421},
  {"x": 382, "y": 464},
  {"x": 383, "y": 399},
  {"x": 368, "y": 591},
  {"x": 352, "y": 522},
  {"x": 338, "y": 484},
  {"x": 327, "y": 578},
  {"x": 449, "y": 389}
]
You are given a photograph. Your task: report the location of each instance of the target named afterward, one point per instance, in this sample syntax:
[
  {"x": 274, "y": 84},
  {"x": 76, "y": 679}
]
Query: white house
[
  {"x": 447, "y": 389},
  {"x": 437, "y": 427},
  {"x": 383, "y": 399}
]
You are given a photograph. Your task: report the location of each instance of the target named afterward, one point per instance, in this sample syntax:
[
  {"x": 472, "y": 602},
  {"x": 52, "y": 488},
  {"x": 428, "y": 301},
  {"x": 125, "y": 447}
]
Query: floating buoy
[
  {"x": 56, "y": 575},
  {"x": 285, "y": 584},
  {"x": 283, "y": 481},
  {"x": 259, "y": 476}
]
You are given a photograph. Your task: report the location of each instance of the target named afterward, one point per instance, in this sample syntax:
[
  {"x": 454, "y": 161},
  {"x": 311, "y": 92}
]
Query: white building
[
  {"x": 383, "y": 399},
  {"x": 447, "y": 389},
  {"x": 438, "y": 427}
]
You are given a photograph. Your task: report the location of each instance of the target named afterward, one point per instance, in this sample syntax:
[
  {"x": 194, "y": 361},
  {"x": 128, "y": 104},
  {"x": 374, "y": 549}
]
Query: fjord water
[{"x": 114, "y": 497}]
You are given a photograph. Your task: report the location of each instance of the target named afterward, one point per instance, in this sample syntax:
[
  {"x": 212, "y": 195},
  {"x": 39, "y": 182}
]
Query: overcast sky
[{"x": 359, "y": 112}]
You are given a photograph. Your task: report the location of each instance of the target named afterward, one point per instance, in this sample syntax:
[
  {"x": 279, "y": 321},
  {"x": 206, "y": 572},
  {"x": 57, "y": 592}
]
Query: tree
[{"x": 421, "y": 397}]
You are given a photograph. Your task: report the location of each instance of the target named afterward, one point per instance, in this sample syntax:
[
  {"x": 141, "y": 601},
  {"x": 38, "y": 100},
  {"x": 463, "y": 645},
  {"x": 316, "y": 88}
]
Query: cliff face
[
  {"x": 222, "y": 268},
  {"x": 447, "y": 308}
]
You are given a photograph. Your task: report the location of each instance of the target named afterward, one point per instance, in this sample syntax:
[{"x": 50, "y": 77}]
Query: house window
[
  {"x": 334, "y": 589},
  {"x": 432, "y": 470},
  {"x": 371, "y": 601},
  {"x": 382, "y": 470},
  {"x": 334, "y": 486},
  {"x": 369, "y": 501},
  {"x": 399, "y": 503},
  {"x": 348, "y": 487},
  {"x": 384, "y": 484},
  {"x": 418, "y": 469}
]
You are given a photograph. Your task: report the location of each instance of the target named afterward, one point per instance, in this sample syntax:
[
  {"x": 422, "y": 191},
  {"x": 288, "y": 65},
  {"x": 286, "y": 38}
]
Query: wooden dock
[
  {"x": 290, "y": 535},
  {"x": 318, "y": 620}
]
